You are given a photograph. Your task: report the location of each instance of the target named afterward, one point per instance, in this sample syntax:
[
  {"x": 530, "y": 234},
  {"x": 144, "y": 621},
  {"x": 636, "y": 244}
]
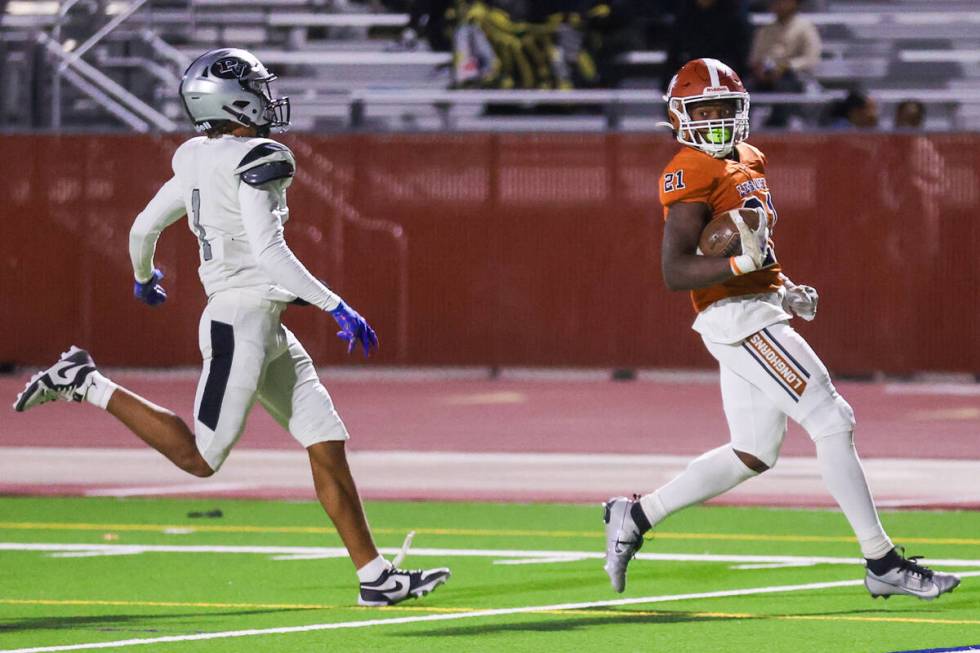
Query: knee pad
[{"x": 830, "y": 417}]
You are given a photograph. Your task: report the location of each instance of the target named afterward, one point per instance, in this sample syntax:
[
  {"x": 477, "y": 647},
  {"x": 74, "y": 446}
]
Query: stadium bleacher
[{"x": 343, "y": 67}]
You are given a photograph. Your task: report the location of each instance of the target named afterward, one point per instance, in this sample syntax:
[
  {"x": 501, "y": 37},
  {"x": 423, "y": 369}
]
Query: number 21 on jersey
[{"x": 674, "y": 181}]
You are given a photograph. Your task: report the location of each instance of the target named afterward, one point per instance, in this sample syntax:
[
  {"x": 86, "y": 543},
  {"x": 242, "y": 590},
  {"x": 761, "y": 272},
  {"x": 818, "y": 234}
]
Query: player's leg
[
  {"x": 231, "y": 337},
  {"x": 292, "y": 393},
  {"x": 160, "y": 428},
  {"x": 235, "y": 341},
  {"x": 75, "y": 377},
  {"x": 781, "y": 363},
  {"x": 337, "y": 493},
  {"x": 757, "y": 428}
]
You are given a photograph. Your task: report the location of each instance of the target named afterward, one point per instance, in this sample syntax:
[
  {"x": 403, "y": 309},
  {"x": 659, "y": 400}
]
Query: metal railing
[
  {"x": 102, "y": 89},
  {"x": 70, "y": 65}
]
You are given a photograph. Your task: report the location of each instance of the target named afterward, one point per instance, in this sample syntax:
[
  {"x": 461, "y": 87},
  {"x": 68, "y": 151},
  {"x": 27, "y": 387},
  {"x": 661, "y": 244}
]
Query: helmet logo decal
[{"x": 231, "y": 68}]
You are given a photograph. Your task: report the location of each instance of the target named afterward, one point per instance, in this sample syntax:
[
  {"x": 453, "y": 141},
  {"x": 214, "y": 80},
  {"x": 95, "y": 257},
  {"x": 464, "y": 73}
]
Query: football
[{"x": 720, "y": 236}]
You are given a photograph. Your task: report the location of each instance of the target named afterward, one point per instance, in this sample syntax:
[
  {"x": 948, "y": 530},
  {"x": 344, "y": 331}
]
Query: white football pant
[{"x": 248, "y": 354}]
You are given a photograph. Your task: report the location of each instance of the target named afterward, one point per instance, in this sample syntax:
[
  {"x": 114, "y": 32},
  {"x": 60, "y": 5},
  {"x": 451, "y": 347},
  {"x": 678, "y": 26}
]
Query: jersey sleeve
[
  {"x": 267, "y": 162},
  {"x": 683, "y": 181},
  {"x": 262, "y": 216},
  {"x": 166, "y": 207}
]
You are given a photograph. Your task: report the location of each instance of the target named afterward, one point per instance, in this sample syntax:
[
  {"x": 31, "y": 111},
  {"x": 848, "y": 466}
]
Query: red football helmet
[{"x": 705, "y": 80}]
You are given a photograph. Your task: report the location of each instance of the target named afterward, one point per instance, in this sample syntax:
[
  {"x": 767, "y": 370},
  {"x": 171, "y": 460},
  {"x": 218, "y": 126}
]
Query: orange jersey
[{"x": 723, "y": 184}]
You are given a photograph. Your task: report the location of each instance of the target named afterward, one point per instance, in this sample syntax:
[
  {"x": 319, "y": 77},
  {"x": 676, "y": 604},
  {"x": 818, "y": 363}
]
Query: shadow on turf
[
  {"x": 571, "y": 623},
  {"x": 131, "y": 623},
  {"x": 583, "y": 580}
]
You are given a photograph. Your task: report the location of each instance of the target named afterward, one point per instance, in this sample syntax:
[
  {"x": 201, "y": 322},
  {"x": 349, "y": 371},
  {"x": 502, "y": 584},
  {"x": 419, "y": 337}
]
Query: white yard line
[
  {"x": 441, "y": 617},
  {"x": 773, "y": 589},
  {"x": 523, "y": 556},
  {"x": 299, "y": 553}
]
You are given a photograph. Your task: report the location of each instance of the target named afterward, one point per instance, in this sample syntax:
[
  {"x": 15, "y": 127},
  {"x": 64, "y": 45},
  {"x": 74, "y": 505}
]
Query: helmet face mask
[
  {"x": 708, "y": 82},
  {"x": 714, "y": 136},
  {"x": 232, "y": 85}
]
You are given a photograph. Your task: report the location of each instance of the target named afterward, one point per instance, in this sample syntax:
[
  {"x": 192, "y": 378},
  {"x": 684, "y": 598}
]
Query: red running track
[{"x": 601, "y": 416}]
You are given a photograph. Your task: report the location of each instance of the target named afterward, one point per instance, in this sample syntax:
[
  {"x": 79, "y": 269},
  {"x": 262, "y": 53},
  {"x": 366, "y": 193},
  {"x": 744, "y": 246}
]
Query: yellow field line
[
  {"x": 780, "y": 617},
  {"x": 584, "y": 613},
  {"x": 467, "y": 532}
]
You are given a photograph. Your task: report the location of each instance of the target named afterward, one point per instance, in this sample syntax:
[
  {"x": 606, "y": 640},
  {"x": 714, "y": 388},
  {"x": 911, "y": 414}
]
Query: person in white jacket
[{"x": 231, "y": 184}]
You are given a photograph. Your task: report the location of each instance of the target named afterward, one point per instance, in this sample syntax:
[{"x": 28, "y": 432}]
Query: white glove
[
  {"x": 755, "y": 243},
  {"x": 801, "y": 300}
]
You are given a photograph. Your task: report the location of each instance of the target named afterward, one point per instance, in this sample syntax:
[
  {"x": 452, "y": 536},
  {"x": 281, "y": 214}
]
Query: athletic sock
[
  {"x": 639, "y": 518},
  {"x": 99, "y": 390},
  {"x": 844, "y": 477},
  {"x": 372, "y": 570},
  {"x": 885, "y": 563},
  {"x": 707, "y": 476}
]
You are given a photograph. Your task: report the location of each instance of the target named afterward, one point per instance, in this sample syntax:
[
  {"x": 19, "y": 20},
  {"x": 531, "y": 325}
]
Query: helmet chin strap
[{"x": 238, "y": 116}]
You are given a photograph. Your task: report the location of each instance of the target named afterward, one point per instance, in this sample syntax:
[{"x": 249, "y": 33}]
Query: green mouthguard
[{"x": 718, "y": 135}]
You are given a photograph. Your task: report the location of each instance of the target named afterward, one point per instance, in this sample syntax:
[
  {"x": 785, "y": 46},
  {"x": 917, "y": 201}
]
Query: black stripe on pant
[{"x": 222, "y": 352}]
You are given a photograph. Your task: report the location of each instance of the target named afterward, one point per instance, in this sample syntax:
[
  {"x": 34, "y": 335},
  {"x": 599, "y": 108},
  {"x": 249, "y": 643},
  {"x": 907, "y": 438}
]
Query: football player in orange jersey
[{"x": 744, "y": 304}]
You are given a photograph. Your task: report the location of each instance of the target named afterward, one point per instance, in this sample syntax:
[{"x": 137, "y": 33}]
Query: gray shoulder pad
[
  {"x": 266, "y": 172},
  {"x": 265, "y": 162},
  {"x": 266, "y": 149}
]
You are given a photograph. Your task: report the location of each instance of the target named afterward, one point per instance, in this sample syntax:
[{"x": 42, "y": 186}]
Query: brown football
[{"x": 720, "y": 236}]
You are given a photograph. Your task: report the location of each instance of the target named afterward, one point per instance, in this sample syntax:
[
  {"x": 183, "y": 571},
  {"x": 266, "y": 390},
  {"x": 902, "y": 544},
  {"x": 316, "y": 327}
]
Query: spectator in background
[
  {"x": 718, "y": 29},
  {"x": 427, "y": 18},
  {"x": 784, "y": 54},
  {"x": 475, "y": 61},
  {"x": 913, "y": 186},
  {"x": 857, "y": 110},
  {"x": 910, "y": 114},
  {"x": 545, "y": 44}
]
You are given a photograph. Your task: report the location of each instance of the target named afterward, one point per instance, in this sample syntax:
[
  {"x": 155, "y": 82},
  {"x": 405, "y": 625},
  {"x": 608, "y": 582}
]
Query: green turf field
[{"x": 76, "y": 574}]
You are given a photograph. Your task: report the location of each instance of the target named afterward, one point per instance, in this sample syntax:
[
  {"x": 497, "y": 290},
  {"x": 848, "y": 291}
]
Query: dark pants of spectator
[{"x": 788, "y": 83}]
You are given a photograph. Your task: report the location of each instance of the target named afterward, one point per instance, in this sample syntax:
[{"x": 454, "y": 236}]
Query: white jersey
[{"x": 233, "y": 191}]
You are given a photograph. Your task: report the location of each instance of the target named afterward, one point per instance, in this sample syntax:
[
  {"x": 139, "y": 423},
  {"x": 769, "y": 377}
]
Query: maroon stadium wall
[{"x": 523, "y": 249}]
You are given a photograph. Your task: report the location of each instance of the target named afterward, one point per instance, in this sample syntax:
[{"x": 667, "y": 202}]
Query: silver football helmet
[{"x": 232, "y": 84}]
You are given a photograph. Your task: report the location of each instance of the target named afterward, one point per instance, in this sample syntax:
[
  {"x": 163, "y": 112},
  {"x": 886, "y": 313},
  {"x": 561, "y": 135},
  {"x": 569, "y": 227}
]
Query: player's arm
[
  {"x": 166, "y": 207},
  {"x": 264, "y": 173},
  {"x": 683, "y": 268},
  {"x": 262, "y": 207}
]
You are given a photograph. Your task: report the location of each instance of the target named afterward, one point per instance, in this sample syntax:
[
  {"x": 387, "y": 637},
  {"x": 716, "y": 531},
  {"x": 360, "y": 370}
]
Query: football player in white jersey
[{"x": 231, "y": 184}]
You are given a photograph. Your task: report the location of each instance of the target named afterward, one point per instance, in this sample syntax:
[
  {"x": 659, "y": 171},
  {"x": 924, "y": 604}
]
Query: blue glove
[
  {"x": 151, "y": 292},
  {"x": 354, "y": 328}
]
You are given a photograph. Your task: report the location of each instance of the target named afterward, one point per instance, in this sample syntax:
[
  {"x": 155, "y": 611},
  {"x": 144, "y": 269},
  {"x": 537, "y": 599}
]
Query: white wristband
[{"x": 742, "y": 264}]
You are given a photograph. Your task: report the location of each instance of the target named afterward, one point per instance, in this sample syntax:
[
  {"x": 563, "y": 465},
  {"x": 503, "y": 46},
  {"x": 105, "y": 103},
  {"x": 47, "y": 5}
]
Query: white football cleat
[
  {"x": 912, "y": 579},
  {"x": 66, "y": 380},
  {"x": 623, "y": 539},
  {"x": 396, "y": 585}
]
